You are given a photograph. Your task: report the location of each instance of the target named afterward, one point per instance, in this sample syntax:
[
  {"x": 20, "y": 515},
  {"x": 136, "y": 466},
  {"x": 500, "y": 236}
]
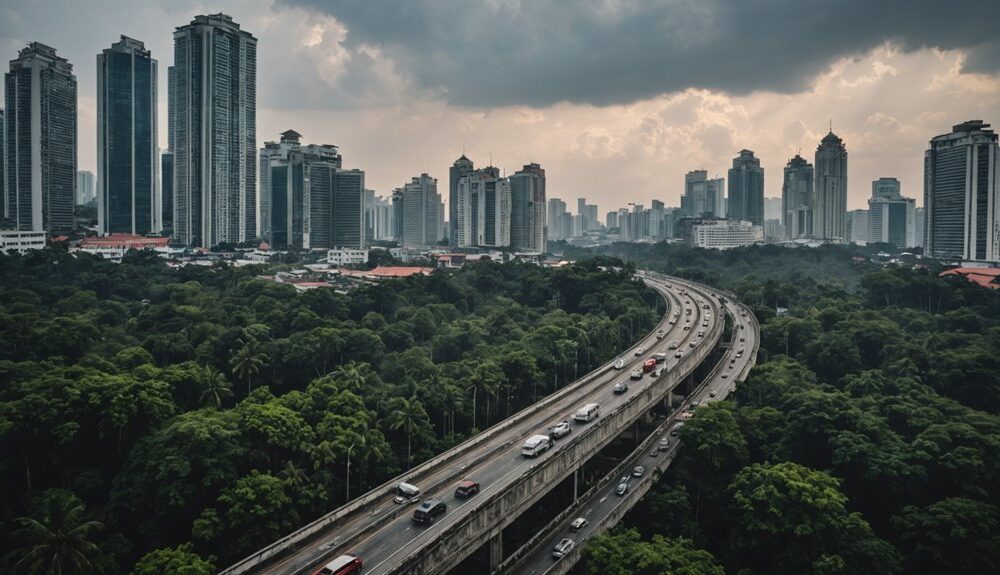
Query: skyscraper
[
  {"x": 3, "y": 173},
  {"x": 307, "y": 200},
  {"x": 746, "y": 189},
  {"x": 483, "y": 209},
  {"x": 703, "y": 197},
  {"x": 40, "y": 94},
  {"x": 127, "y": 163},
  {"x": 527, "y": 209},
  {"x": 215, "y": 132},
  {"x": 961, "y": 194},
  {"x": 461, "y": 167},
  {"x": 857, "y": 227},
  {"x": 555, "y": 215},
  {"x": 798, "y": 198},
  {"x": 349, "y": 209},
  {"x": 830, "y": 209},
  {"x": 378, "y": 217},
  {"x": 167, "y": 163},
  {"x": 420, "y": 219},
  {"x": 85, "y": 189},
  {"x": 891, "y": 217}
]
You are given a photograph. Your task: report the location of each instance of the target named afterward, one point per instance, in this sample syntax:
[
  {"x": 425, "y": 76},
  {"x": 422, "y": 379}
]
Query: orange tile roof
[
  {"x": 123, "y": 241},
  {"x": 387, "y": 272},
  {"x": 981, "y": 276}
]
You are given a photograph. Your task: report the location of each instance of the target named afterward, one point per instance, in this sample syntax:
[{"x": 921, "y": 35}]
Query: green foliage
[
  {"x": 205, "y": 410},
  {"x": 180, "y": 560},
  {"x": 57, "y": 538},
  {"x": 626, "y": 553}
]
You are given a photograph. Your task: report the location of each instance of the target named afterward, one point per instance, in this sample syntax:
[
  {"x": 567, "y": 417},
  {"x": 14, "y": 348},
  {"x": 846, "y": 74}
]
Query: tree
[
  {"x": 248, "y": 361},
  {"x": 954, "y": 535},
  {"x": 214, "y": 388},
  {"x": 180, "y": 560},
  {"x": 57, "y": 539},
  {"x": 485, "y": 380},
  {"x": 407, "y": 415},
  {"x": 626, "y": 553}
]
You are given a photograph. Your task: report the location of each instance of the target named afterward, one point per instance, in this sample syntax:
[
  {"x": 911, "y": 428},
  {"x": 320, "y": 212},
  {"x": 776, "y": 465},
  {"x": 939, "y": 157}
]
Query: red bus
[
  {"x": 648, "y": 365},
  {"x": 343, "y": 565}
]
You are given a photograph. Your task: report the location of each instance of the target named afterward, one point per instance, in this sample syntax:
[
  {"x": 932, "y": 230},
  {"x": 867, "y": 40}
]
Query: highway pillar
[
  {"x": 670, "y": 400},
  {"x": 496, "y": 552},
  {"x": 576, "y": 483}
]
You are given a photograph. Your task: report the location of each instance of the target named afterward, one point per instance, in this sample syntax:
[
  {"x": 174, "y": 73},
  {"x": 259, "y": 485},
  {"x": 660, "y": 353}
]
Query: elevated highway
[{"x": 381, "y": 532}]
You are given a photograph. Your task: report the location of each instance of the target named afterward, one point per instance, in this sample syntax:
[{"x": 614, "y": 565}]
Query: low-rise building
[
  {"x": 16, "y": 241},
  {"x": 347, "y": 256},
  {"x": 725, "y": 234}
]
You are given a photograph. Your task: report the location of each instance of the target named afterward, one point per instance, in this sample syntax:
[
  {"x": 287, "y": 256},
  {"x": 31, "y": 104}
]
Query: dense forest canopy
[
  {"x": 160, "y": 420},
  {"x": 867, "y": 439}
]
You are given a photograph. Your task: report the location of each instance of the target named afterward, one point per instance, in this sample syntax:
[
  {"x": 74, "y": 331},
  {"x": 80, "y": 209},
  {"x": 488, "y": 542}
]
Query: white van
[
  {"x": 535, "y": 445},
  {"x": 406, "y": 493},
  {"x": 587, "y": 413}
]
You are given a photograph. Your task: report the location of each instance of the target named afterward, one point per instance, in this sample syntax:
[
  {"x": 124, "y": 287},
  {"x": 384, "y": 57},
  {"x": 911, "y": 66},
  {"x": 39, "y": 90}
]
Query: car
[
  {"x": 695, "y": 404},
  {"x": 678, "y": 354},
  {"x": 654, "y": 453},
  {"x": 619, "y": 363},
  {"x": 621, "y": 386},
  {"x": 578, "y": 524},
  {"x": 428, "y": 510},
  {"x": 660, "y": 357},
  {"x": 692, "y": 344},
  {"x": 725, "y": 375},
  {"x": 711, "y": 392},
  {"x": 635, "y": 373},
  {"x": 742, "y": 339},
  {"x": 466, "y": 489},
  {"x": 561, "y": 429},
  {"x": 622, "y": 488},
  {"x": 639, "y": 351},
  {"x": 676, "y": 429},
  {"x": 659, "y": 334},
  {"x": 673, "y": 322},
  {"x": 673, "y": 345},
  {"x": 687, "y": 328},
  {"x": 638, "y": 470},
  {"x": 664, "y": 444},
  {"x": 742, "y": 326},
  {"x": 562, "y": 548}
]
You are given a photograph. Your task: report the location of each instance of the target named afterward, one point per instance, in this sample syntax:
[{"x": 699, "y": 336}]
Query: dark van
[
  {"x": 428, "y": 511},
  {"x": 466, "y": 489}
]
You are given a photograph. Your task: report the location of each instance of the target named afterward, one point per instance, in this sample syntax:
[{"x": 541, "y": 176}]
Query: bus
[
  {"x": 587, "y": 413},
  {"x": 343, "y": 565}
]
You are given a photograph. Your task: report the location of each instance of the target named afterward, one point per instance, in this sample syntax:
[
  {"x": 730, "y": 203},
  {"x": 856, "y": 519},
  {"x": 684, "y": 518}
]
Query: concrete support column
[
  {"x": 670, "y": 400},
  {"x": 496, "y": 552},
  {"x": 576, "y": 483}
]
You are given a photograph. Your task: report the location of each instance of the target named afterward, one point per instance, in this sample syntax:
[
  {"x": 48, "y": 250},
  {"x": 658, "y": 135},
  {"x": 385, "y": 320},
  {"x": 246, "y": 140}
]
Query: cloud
[{"x": 602, "y": 52}]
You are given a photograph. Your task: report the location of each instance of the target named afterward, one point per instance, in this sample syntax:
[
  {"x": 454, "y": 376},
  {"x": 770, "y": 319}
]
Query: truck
[{"x": 648, "y": 365}]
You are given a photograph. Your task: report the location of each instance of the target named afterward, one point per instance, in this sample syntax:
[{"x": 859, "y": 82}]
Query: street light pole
[{"x": 349, "y": 472}]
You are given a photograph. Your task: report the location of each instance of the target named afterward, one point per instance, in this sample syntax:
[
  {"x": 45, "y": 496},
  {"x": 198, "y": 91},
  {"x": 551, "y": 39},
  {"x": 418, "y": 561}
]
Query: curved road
[{"x": 385, "y": 534}]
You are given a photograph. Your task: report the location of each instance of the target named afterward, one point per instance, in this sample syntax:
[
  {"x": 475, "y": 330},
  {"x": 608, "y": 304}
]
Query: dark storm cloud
[{"x": 539, "y": 52}]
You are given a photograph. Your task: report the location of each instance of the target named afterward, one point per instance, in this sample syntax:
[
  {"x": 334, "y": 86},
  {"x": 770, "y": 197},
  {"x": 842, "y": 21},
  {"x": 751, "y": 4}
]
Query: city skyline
[{"x": 886, "y": 102}]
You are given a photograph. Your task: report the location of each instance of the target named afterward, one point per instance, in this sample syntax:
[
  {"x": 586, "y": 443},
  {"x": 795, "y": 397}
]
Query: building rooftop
[
  {"x": 985, "y": 277},
  {"x": 123, "y": 241}
]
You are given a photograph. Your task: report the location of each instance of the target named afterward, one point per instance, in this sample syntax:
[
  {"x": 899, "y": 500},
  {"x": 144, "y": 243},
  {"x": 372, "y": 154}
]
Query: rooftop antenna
[{"x": 831, "y": 125}]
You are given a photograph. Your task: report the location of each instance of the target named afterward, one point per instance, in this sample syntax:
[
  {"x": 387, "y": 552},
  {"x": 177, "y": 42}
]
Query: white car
[
  {"x": 561, "y": 429},
  {"x": 578, "y": 524},
  {"x": 639, "y": 351},
  {"x": 562, "y": 548},
  {"x": 619, "y": 363},
  {"x": 711, "y": 392}
]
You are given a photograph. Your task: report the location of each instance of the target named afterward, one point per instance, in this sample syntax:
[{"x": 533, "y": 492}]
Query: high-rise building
[
  {"x": 772, "y": 209},
  {"x": 962, "y": 194},
  {"x": 919, "y": 217},
  {"x": 128, "y": 183},
  {"x": 461, "y": 167},
  {"x": 483, "y": 209},
  {"x": 308, "y": 201},
  {"x": 378, "y": 217},
  {"x": 830, "y": 209},
  {"x": 703, "y": 197},
  {"x": 556, "y": 215},
  {"x": 797, "y": 199},
  {"x": 397, "y": 215},
  {"x": 85, "y": 190},
  {"x": 857, "y": 227},
  {"x": 611, "y": 220},
  {"x": 167, "y": 164},
  {"x": 215, "y": 132},
  {"x": 349, "y": 209},
  {"x": 891, "y": 217},
  {"x": 724, "y": 235},
  {"x": 420, "y": 218},
  {"x": 527, "y": 209},
  {"x": 3, "y": 174},
  {"x": 746, "y": 189},
  {"x": 40, "y": 94}
]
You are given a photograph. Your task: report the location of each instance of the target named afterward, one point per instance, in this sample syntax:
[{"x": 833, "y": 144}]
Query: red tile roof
[
  {"x": 386, "y": 272},
  {"x": 124, "y": 241},
  {"x": 982, "y": 276}
]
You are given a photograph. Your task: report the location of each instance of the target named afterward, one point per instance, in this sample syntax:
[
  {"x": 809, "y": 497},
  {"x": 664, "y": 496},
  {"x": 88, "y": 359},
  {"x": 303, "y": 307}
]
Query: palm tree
[
  {"x": 215, "y": 389},
  {"x": 351, "y": 376},
  {"x": 294, "y": 476},
  {"x": 452, "y": 400},
  {"x": 58, "y": 542},
  {"x": 407, "y": 415},
  {"x": 248, "y": 361},
  {"x": 486, "y": 379}
]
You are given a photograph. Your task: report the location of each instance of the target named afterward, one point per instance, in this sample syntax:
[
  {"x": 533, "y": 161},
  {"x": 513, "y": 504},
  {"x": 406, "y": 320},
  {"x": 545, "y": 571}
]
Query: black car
[{"x": 428, "y": 511}]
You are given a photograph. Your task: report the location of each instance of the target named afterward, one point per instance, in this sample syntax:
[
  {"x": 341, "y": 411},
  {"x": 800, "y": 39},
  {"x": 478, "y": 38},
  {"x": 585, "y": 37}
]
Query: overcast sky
[{"x": 616, "y": 99}]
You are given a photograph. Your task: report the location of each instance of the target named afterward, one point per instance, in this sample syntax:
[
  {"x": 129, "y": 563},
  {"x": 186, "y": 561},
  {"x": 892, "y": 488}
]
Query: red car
[{"x": 648, "y": 365}]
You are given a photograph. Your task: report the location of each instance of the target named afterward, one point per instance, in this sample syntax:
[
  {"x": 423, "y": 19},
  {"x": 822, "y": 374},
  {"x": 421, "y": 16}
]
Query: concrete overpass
[{"x": 382, "y": 533}]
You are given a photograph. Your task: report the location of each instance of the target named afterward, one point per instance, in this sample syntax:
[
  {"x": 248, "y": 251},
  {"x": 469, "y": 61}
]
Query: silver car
[{"x": 562, "y": 548}]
